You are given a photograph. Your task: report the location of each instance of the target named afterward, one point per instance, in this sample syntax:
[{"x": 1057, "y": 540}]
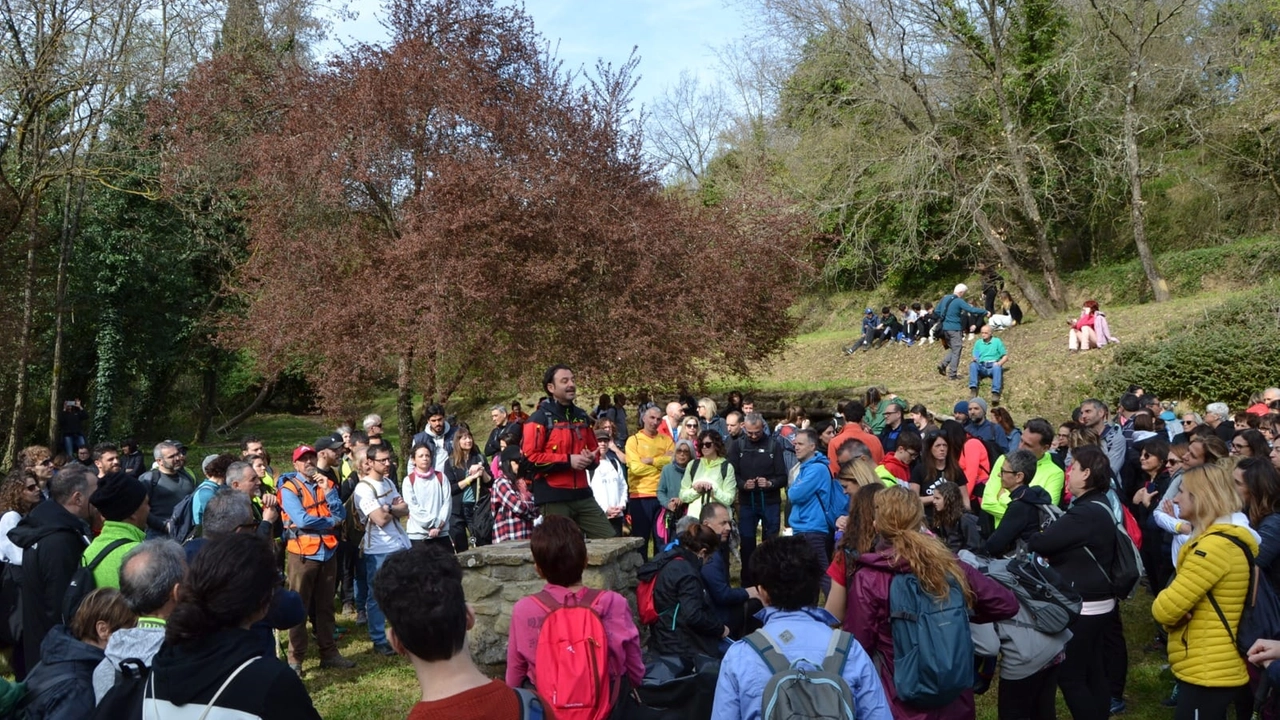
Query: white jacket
[
  {"x": 430, "y": 504},
  {"x": 608, "y": 485}
]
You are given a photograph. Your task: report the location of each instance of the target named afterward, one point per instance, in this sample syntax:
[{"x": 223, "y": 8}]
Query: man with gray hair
[
  {"x": 242, "y": 478},
  {"x": 168, "y": 483},
  {"x": 149, "y": 578},
  {"x": 498, "y": 414},
  {"x": 1218, "y": 417},
  {"x": 952, "y": 309}
]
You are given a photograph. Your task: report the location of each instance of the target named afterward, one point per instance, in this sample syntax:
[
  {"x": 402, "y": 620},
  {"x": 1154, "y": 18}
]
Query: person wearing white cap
[{"x": 952, "y": 308}]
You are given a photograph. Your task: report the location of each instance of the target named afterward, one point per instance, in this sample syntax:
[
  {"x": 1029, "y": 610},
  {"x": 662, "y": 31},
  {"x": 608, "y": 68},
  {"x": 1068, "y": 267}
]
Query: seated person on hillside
[
  {"x": 560, "y": 555},
  {"x": 868, "y": 335},
  {"x": 989, "y": 358},
  {"x": 799, "y": 631},
  {"x": 420, "y": 591},
  {"x": 1010, "y": 314},
  {"x": 888, "y": 329},
  {"x": 1090, "y": 330}
]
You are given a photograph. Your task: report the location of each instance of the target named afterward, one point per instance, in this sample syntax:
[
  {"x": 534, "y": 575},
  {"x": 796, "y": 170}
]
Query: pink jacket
[
  {"x": 867, "y": 618},
  {"x": 619, "y": 627}
]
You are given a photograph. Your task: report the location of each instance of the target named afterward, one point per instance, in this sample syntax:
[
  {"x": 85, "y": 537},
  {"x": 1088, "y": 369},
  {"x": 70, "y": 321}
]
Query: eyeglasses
[
  {"x": 691, "y": 425},
  {"x": 1007, "y": 471},
  {"x": 380, "y": 460}
]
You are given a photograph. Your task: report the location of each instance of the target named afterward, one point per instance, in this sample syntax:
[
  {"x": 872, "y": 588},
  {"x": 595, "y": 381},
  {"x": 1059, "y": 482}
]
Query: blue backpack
[{"x": 932, "y": 647}]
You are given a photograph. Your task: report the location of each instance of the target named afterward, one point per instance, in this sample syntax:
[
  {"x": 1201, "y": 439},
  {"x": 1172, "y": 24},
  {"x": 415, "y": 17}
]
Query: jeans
[
  {"x": 360, "y": 589},
  {"x": 644, "y": 513},
  {"x": 72, "y": 443},
  {"x": 951, "y": 361},
  {"x": 753, "y": 512},
  {"x": 377, "y": 620},
  {"x": 978, "y": 370}
]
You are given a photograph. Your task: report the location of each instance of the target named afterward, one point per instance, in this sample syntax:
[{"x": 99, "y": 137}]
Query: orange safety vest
[{"x": 307, "y": 542}]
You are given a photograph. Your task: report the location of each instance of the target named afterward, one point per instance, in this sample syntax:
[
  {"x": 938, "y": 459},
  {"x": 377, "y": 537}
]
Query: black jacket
[
  {"x": 964, "y": 535},
  {"x": 760, "y": 458},
  {"x": 191, "y": 674},
  {"x": 60, "y": 687},
  {"x": 687, "y": 624},
  {"x": 1087, "y": 524},
  {"x": 1021, "y": 520},
  {"x": 131, "y": 464},
  {"x": 165, "y": 491},
  {"x": 52, "y": 540}
]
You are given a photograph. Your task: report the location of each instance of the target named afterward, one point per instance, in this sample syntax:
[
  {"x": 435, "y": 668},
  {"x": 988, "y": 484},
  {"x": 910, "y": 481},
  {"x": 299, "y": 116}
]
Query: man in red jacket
[
  {"x": 560, "y": 443},
  {"x": 854, "y": 411}
]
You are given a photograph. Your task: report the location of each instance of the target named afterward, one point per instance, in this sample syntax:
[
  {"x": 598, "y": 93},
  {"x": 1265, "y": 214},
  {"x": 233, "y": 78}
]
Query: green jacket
[{"x": 108, "y": 572}]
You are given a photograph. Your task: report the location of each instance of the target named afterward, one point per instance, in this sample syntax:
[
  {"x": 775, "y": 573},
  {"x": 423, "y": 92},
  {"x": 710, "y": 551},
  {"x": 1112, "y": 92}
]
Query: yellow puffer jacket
[{"x": 1200, "y": 650}]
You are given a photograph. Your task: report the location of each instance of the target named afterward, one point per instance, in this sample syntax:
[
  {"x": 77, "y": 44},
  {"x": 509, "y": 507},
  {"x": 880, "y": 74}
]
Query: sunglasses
[{"x": 706, "y": 445}]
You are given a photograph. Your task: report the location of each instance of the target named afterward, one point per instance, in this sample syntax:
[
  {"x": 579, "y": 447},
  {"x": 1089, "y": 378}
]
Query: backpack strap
[
  {"x": 531, "y": 707},
  {"x": 97, "y": 560},
  {"x": 837, "y": 652},
  {"x": 767, "y": 649},
  {"x": 546, "y": 601},
  {"x": 1248, "y": 555},
  {"x": 213, "y": 701},
  {"x": 850, "y": 566}
]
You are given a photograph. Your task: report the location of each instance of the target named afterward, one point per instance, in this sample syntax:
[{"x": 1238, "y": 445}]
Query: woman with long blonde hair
[
  {"x": 1202, "y": 605},
  {"x": 903, "y": 549}
]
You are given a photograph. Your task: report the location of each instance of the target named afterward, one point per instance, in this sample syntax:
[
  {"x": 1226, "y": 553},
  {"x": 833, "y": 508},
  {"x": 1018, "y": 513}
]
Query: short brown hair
[
  {"x": 105, "y": 604},
  {"x": 559, "y": 550}
]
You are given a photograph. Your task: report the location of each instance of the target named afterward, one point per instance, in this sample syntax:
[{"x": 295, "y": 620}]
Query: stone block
[
  {"x": 476, "y": 586},
  {"x": 600, "y": 552},
  {"x": 513, "y": 573}
]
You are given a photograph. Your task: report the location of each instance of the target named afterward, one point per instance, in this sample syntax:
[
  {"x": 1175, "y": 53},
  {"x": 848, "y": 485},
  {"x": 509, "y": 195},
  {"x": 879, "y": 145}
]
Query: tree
[
  {"x": 684, "y": 127},
  {"x": 451, "y": 212}
]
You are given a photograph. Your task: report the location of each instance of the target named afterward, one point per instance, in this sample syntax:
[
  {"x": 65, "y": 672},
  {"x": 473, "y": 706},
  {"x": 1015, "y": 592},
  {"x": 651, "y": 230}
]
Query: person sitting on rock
[{"x": 560, "y": 555}]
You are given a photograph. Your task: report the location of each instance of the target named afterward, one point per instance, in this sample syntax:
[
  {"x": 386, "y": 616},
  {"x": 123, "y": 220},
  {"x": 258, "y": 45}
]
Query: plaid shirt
[{"x": 513, "y": 515}]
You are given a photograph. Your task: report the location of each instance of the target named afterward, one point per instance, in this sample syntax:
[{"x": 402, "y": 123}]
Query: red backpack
[
  {"x": 572, "y": 662},
  {"x": 644, "y": 597}
]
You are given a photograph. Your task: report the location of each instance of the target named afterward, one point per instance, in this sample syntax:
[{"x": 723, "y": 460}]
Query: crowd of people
[{"x": 876, "y": 548}]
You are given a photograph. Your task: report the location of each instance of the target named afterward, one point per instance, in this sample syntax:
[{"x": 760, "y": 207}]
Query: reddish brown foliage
[{"x": 453, "y": 197}]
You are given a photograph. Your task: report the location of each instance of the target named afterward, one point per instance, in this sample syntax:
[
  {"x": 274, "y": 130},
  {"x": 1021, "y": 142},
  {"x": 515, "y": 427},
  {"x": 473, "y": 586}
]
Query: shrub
[{"x": 1223, "y": 355}]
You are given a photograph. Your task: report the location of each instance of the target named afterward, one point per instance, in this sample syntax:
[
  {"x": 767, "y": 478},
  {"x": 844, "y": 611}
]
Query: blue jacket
[
  {"x": 292, "y": 504},
  {"x": 954, "y": 308},
  {"x": 726, "y": 598},
  {"x": 60, "y": 687},
  {"x": 989, "y": 432},
  {"x": 812, "y": 493},
  {"x": 807, "y": 633}
]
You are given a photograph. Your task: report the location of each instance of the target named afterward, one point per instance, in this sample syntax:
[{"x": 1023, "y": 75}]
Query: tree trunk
[
  {"x": 1032, "y": 293},
  {"x": 1137, "y": 208},
  {"x": 404, "y": 402},
  {"x": 17, "y": 425},
  {"x": 208, "y": 396},
  {"x": 1021, "y": 175},
  {"x": 110, "y": 344},
  {"x": 70, "y": 227},
  {"x": 264, "y": 394}
]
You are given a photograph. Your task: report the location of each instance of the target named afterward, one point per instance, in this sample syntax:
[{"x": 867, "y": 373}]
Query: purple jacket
[{"x": 867, "y": 618}]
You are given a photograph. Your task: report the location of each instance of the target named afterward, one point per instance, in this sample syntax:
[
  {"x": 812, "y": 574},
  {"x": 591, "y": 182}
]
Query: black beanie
[{"x": 118, "y": 496}]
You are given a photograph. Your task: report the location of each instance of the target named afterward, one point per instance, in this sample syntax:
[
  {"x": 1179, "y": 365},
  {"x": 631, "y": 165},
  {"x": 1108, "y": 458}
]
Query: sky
[{"x": 670, "y": 35}]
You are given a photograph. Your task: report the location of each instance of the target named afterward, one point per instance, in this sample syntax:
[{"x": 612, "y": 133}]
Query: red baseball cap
[{"x": 302, "y": 451}]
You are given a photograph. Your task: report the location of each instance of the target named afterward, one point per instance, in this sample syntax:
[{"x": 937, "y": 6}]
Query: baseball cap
[
  {"x": 301, "y": 451},
  {"x": 329, "y": 442}
]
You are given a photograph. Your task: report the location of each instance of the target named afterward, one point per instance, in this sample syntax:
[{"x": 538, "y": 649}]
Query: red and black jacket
[{"x": 551, "y": 434}]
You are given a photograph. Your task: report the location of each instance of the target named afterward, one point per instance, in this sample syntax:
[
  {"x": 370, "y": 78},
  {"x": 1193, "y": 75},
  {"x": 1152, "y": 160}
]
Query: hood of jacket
[
  {"x": 141, "y": 643},
  {"x": 45, "y": 519},
  {"x": 659, "y": 561},
  {"x": 197, "y": 669},
  {"x": 1031, "y": 494},
  {"x": 60, "y": 647},
  {"x": 816, "y": 457},
  {"x": 896, "y": 467},
  {"x": 448, "y": 431}
]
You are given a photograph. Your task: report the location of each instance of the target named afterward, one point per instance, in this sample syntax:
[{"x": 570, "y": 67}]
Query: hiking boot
[
  {"x": 973, "y": 393},
  {"x": 384, "y": 649},
  {"x": 942, "y": 370},
  {"x": 337, "y": 662},
  {"x": 1117, "y": 706},
  {"x": 995, "y": 399},
  {"x": 297, "y": 668},
  {"x": 362, "y": 617},
  {"x": 348, "y": 608}
]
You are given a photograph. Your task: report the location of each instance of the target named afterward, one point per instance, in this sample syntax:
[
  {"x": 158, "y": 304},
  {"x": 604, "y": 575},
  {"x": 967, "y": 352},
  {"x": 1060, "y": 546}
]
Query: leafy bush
[
  {"x": 1240, "y": 264},
  {"x": 1224, "y": 355}
]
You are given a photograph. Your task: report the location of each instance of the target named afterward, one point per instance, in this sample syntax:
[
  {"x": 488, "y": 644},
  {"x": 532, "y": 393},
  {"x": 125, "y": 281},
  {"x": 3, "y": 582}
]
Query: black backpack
[
  {"x": 82, "y": 582},
  {"x": 124, "y": 699}
]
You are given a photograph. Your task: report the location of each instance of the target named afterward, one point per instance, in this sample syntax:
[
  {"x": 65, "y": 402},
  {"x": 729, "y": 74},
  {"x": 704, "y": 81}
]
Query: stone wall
[{"x": 496, "y": 576}]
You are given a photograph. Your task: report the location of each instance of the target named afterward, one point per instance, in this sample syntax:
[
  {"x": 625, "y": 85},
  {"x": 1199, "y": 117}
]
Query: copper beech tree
[{"x": 454, "y": 211}]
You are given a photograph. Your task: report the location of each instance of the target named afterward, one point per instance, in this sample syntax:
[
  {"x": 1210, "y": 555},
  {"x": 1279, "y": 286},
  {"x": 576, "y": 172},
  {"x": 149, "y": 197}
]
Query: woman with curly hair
[
  {"x": 18, "y": 494},
  {"x": 951, "y": 522},
  {"x": 710, "y": 477},
  {"x": 903, "y": 550}
]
